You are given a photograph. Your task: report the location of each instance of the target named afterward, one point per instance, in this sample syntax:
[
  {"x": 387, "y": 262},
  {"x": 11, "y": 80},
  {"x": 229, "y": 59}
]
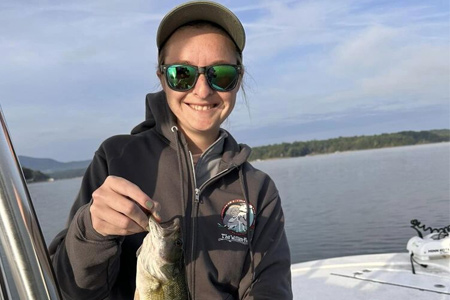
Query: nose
[{"x": 202, "y": 88}]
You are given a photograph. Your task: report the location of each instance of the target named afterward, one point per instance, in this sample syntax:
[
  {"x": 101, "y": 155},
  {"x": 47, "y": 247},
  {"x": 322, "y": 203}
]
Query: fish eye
[{"x": 178, "y": 242}]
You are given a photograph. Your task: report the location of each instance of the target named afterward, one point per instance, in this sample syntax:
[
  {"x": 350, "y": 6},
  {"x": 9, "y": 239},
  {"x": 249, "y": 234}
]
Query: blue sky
[{"x": 73, "y": 73}]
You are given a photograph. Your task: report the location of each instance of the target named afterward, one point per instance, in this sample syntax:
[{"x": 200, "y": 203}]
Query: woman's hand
[{"x": 119, "y": 207}]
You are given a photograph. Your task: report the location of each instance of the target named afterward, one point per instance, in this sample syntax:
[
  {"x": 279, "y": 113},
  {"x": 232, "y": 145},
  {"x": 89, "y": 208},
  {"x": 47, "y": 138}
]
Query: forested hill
[
  {"x": 403, "y": 138},
  {"x": 34, "y": 176}
]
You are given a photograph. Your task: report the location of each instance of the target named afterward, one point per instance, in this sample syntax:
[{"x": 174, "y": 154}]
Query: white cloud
[
  {"x": 336, "y": 58},
  {"x": 422, "y": 75},
  {"x": 370, "y": 50}
]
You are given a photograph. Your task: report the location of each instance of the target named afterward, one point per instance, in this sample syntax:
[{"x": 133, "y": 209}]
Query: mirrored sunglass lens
[
  {"x": 223, "y": 78},
  {"x": 180, "y": 77}
]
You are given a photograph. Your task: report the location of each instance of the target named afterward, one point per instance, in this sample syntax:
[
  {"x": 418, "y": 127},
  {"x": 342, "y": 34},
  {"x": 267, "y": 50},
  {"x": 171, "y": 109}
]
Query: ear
[
  {"x": 161, "y": 78},
  {"x": 241, "y": 77}
]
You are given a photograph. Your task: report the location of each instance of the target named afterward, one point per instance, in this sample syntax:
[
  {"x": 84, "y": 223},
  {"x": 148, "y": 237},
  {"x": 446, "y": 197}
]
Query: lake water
[{"x": 339, "y": 204}]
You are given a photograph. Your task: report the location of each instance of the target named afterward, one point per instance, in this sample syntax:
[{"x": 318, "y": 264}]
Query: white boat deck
[{"x": 367, "y": 277}]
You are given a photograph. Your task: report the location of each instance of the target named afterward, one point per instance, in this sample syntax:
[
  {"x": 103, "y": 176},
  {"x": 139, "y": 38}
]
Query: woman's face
[{"x": 201, "y": 110}]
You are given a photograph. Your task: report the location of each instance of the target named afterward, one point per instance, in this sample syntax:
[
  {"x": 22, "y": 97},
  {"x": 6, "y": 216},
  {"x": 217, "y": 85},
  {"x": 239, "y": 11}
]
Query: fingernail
[
  {"x": 157, "y": 216},
  {"x": 149, "y": 204}
]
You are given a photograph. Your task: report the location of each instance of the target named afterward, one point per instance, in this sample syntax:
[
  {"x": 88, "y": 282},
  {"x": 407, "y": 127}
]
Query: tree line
[
  {"x": 340, "y": 144},
  {"x": 297, "y": 149},
  {"x": 34, "y": 176}
]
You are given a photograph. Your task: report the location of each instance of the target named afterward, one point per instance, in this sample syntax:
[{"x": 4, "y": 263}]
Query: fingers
[
  {"x": 120, "y": 207},
  {"x": 117, "y": 210},
  {"x": 113, "y": 223},
  {"x": 132, "y": 191},
  {"x": 154, "y": 207}
]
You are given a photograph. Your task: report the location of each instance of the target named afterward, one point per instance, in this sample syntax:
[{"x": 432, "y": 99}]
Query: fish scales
[{"x": 160, "y": 269}]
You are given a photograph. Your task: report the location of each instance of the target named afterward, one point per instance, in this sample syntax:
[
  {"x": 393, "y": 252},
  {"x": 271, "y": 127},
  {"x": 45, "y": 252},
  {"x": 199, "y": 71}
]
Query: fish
[{"x": 160, "y": 272}]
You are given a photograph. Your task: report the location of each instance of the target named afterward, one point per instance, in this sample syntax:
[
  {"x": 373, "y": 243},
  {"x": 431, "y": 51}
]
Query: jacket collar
[{"x": 159, "y": 117}]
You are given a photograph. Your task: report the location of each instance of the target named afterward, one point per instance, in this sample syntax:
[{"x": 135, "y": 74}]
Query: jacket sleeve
[
  {"x": 272, "y": 261},
  {"x": 85, "y": 263}
]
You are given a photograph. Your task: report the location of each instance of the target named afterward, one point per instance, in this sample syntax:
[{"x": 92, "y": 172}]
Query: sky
[{"x": 73, "y": 73}]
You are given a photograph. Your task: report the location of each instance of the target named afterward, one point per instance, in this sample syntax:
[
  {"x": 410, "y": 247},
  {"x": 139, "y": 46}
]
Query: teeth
[{"x": 202, "y": 107}]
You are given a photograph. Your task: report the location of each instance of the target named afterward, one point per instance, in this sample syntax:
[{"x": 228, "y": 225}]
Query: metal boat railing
[{"x": 25, "y": 264}]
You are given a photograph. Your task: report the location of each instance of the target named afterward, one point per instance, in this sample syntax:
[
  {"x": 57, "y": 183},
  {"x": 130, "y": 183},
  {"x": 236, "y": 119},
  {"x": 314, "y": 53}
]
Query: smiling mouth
[{"x": 202, "y": 107}]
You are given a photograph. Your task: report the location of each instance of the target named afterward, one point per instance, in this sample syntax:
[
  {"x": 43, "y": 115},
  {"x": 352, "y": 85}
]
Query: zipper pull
[{"x": 197, "y": 195}]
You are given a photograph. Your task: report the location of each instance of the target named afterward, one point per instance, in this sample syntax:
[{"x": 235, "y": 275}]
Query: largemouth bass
[{"x": 160, "y": 267}]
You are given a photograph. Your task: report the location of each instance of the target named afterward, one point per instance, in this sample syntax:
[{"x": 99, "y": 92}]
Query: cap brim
[{"x": 201, "y": 11}]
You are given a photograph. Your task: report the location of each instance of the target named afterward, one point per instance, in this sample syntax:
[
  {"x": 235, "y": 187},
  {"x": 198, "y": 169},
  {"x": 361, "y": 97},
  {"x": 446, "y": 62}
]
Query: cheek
[
  {"x": 162, "y": 81},
  {"x": 170, "y": 94},
  {"x": 174, "y": 100},
  {"x": 171, "y": 102}
]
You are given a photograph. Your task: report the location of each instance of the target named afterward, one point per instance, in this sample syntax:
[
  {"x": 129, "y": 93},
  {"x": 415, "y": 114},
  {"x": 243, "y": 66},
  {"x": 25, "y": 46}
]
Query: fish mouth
[{"x": 165, "y": 229}]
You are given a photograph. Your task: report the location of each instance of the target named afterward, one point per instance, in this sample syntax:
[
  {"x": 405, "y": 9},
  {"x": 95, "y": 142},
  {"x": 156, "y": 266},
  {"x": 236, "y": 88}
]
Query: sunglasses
[{"x": 181, "y": 78}]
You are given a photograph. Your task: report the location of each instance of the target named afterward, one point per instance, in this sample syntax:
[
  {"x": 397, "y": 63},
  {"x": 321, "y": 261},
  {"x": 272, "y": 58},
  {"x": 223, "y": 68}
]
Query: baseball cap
[{"x": 201, "y": 11}]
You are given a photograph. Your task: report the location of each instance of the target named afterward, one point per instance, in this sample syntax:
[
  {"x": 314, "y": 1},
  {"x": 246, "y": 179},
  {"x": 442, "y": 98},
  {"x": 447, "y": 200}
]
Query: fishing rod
[{"x": 25, "y": 261}]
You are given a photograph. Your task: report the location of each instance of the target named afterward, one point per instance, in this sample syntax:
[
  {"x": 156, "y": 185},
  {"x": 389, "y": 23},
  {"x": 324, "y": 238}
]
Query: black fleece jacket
[{"x": 234, "y": 241}]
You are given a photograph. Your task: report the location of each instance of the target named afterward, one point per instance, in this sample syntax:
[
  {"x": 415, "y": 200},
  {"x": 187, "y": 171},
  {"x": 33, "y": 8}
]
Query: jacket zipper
[
  {"x": 197, "y": 192},
  {"x": 218, "y": 175},
  {"x": 193, "y": 219}
]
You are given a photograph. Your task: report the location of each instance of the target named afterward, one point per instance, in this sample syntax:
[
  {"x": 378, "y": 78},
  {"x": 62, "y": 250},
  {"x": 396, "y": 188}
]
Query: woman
[{"x": 180, "y": 163}]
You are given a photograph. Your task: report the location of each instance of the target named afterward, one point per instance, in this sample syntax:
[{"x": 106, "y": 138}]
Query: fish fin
[
  {"x": 138, "y": 251},
  {"x": 136, "y": 295}
]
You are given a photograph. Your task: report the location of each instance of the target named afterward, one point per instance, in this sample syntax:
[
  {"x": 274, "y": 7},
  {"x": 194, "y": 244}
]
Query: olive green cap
[{"x": 201, "y": 11}]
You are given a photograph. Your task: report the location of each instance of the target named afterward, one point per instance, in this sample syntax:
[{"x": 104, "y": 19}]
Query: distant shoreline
[
  {"x": 55, "y": 170},
  {"x": 344, "y": 144},
  {"x": 349, "y": 151}
]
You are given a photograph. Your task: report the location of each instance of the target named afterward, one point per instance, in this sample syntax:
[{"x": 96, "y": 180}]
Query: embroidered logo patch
[{"x": 234, "y": 217}]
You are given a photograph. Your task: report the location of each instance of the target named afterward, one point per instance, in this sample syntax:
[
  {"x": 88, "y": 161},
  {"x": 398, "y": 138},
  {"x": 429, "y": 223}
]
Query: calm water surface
[{"x": 338, "y": 204}]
